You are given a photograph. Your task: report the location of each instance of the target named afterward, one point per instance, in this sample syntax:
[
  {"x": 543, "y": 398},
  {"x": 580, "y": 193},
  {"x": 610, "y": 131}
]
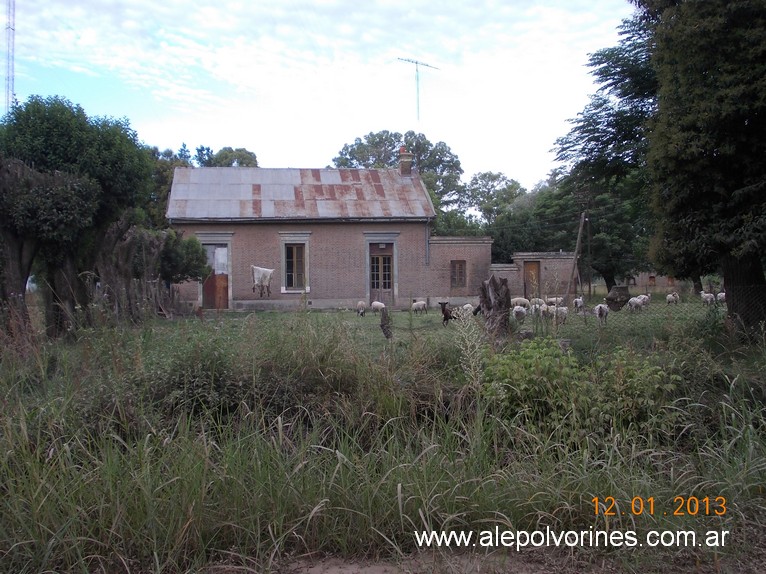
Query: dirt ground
[{"x": 526, "y": 563}]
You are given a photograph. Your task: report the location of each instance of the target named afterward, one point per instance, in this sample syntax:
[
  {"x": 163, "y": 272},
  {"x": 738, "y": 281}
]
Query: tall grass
[{"x": 244, "y": 441}]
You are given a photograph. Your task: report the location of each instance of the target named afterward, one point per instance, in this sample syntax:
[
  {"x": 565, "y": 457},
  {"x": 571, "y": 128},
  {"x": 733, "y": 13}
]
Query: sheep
[
  {"x": 645, "y": 298},
  {"x": 707, "y": 298},
  {"x": 377, "y": 306},
  {"x": 672, "y": 298},
  {"x": 721, "y": 297},
  {"x": 519, "y": 313},
  {"x": 520, "y": 302},
  {"x": 262, "y": 279},
  {"x": 468, "y": 308},
  {"x": 419, "y": 307},
  {"x": 559, "y": 313},
  {"x": 601, "y": 311},
  {"x": 361, "y": 307},
  {"x": 554, "y": 300},
  {"x": 635, "y": 304},
  {"x": 536, "y": 301},
  {"x": 539, "y": 309},
  {"x": 579, "y": 303}
]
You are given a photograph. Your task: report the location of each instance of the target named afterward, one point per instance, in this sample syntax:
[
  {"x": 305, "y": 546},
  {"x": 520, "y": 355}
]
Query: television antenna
[
  {"x": 417, "y": 80},
  {"x": 10, "y": 30}
]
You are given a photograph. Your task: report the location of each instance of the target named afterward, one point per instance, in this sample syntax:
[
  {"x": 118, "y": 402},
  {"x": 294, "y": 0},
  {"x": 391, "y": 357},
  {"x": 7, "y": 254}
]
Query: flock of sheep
[{"x": 551, "y": 308}]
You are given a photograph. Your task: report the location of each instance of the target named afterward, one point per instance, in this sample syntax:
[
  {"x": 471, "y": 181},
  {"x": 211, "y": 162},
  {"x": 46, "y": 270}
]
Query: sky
[{"x": 295, "y": 80}]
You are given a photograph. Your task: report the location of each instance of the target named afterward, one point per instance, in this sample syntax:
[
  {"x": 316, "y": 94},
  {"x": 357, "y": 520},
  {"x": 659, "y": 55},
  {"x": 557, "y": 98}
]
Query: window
[
  {"x": 295, "y": 268},
  {"x": 457, "y": 273},
  {"x": 380, "y": 272},
  {"x": 295, "y": 261}
]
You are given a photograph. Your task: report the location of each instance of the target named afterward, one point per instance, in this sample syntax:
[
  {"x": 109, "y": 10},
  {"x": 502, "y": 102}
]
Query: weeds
[{"x": 175, "y": 445}]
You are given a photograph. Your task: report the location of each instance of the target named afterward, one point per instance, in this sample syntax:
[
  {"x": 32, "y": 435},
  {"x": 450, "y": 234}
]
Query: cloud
[{"x": 294, "y": 80}]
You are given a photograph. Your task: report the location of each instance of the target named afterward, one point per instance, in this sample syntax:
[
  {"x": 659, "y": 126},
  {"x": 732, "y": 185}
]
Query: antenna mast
[
  {"x": 417, "y": 80},
  {"x": 10, "y": 31}
]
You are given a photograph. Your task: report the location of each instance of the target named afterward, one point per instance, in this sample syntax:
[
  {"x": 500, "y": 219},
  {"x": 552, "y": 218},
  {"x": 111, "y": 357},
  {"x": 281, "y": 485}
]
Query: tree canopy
[{"x": 708, "y": 140}]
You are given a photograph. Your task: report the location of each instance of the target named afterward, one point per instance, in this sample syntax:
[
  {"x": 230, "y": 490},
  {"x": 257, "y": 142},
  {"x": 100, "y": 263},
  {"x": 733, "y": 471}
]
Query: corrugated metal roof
[{"x": 251, "y": 194}]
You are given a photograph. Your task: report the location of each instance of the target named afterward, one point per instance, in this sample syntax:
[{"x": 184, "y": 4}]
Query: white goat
[
  {"x": 707, "y": 298},
  {"x": 601, "y": 311},
  {"x": 419, "y": 307},
  {"x": 361, "y": 308},
  {"x": 377, "y": 306},
  {"x": 262, "y": 280},
  {"x": 672, "y": 298}
]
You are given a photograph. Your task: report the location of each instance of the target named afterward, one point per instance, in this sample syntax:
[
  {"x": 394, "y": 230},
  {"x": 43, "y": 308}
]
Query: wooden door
[
  {"x": 382, "y": 273},
  {"x": 531, "y": 279}
]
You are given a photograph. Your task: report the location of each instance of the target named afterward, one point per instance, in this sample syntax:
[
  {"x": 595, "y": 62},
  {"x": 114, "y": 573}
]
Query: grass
[{"x": 248, "y": 439}]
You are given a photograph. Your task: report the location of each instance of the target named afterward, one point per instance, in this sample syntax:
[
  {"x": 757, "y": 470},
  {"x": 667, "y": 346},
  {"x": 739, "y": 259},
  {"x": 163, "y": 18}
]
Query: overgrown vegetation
[{"x": 244, "y": 440}]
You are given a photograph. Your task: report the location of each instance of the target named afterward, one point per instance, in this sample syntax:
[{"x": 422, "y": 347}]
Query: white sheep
[
  {"x": 579, "y": 303},
  {"x": 707, "y": 298},
  {"x": 377, "y": 306},
  {"x": 721, "y": 297},
  {"x": 538, "y": 309},
  {"x": 520, "y": 302},
  {"x": 536, "y": 301},
  {"x": 601, "y": 311},
  {"x": 672, "y": 298},
  {"x": 554, "y": 300},
  {"x": 419, "y": 307},
  {"x": 361, "y": 308},
  {"x": 645, "y": 298},
  {"x": 635, "y": 304},
  {"x": 519, "y": 313},
  {"x": 468, "y": 308},
  {"x": 559, "y": 313}
]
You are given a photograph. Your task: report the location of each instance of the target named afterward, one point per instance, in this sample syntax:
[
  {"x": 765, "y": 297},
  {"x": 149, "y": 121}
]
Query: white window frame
[{"x": 288, "y": 238}]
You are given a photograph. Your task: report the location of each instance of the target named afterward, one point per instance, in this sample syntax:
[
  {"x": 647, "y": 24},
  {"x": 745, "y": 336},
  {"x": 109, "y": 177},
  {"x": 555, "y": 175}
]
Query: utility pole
[
  {"x": 10, "y": 31},
  {"x": 417, "y": 80},
  {"x": 576, "y": 253}
]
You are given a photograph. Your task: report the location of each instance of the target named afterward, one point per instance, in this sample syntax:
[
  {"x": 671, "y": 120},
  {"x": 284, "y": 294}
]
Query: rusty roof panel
[{"x": 261, "y": 193}]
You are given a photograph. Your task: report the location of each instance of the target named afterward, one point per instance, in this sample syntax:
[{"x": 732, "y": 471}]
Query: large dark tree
[
  {"x": 708, "y": 142},
  {"x": 53, "y": 135},
  {"x": 605, "y": 153}
]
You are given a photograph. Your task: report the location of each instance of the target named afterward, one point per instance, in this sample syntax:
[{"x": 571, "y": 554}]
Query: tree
[
  {"x": 37, "y": 209},
  {"x": 708, "y": 141},
  {"x": 491, "y": 194},
  {"x": 605, "y": 153},
  {"x": 225, "y": 157},
  {"x": 437, "y": 165},
  {"x": 53, "y": 135}
]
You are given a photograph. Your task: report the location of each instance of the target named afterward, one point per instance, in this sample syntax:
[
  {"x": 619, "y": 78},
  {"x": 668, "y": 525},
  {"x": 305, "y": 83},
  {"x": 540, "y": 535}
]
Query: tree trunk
[
  {"x": 745, "y": 290},
  {"x": 495, "y": 303},
  {"x": 610, "y": 281},
  {"x": 17, "y": 256}
]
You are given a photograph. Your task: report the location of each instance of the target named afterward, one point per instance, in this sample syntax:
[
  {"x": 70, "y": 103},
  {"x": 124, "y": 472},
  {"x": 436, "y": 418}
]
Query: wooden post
[{"x": 576, "y": 253}]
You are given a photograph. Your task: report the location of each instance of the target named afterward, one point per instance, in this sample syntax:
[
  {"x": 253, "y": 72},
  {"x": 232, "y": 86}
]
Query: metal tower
[
  {"x": 417, "y": 80},
  {"x": 10, "y": 32}
]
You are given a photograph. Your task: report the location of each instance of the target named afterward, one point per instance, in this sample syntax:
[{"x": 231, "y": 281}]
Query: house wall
[
  {"x": 477, "y": 254},
  {"x": 338, "y": 263},
  {"x": 555, "y": 269}
]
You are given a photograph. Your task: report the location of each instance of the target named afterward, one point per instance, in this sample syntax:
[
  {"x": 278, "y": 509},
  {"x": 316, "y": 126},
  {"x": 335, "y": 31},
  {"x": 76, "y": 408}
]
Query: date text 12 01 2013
[{"x": 681, "y": 506}]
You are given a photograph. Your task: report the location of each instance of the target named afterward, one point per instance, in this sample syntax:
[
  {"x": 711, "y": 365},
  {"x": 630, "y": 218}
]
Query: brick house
[{"x": 332, "y": 236}]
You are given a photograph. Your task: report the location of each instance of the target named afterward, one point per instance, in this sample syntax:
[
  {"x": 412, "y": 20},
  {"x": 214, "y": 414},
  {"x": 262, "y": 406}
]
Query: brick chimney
[{"x": 405, "y": 162}]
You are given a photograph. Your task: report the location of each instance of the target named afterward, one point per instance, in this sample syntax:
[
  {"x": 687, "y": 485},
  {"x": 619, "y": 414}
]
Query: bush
[{"x": 547, "y": 390}]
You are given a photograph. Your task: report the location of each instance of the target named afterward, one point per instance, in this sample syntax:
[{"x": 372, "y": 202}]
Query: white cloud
[{"x": 295, "y": 80}]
